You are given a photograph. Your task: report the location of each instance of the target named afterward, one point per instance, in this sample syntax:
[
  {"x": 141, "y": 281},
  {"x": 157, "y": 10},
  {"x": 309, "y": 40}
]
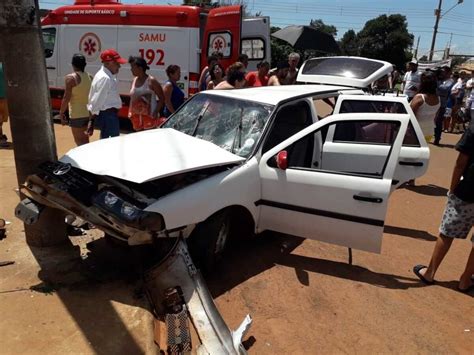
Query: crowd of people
[
  {"x": 95, "y": 102},
  {"x": 450, "y": 107}
]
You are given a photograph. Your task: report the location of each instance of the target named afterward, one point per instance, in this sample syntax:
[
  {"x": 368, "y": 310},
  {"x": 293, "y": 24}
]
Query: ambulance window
[
  {"x": 49, "y": 37},
  {"x": 254, "y": 48}
]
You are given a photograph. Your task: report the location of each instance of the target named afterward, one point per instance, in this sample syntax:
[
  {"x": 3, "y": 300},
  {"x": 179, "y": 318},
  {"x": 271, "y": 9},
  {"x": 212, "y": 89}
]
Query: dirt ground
[{"x": 303, "y": 295}]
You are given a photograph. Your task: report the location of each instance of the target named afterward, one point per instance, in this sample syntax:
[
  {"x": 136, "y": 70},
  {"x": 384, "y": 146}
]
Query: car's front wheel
[{"x": 209, "y": 239}]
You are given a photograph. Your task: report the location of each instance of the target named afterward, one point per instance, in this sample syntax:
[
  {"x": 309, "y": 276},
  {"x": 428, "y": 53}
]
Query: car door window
[
  {"x": 363, "y": 132},
  {"x": 303, "y": 153},
  {"x": 378, "y": 106},
  {"x": 289, "y": 120}
]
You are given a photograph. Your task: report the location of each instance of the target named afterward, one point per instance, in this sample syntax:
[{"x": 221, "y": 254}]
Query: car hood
[{"x": 148, "y": 155}]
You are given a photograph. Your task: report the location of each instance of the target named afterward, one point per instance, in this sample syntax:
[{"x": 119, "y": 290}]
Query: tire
[{"x": 208, "y": 242}]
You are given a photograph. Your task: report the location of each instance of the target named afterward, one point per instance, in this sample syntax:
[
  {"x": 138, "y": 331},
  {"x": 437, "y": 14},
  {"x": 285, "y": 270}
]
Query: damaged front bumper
[
  {"x": 104, "y": 205},
  {"x": 178, "y": 271}
]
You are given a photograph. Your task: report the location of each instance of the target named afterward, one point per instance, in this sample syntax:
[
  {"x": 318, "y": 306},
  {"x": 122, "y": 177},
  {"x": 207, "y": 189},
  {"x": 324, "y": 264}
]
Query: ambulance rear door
[
  {"x": 51, "y": 54},
  {"x": 222, "y": 34},
  {"x": 256, "y": 40}
]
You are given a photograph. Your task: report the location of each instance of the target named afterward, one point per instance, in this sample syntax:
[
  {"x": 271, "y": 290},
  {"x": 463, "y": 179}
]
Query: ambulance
[{"x": 161, "y": 34}]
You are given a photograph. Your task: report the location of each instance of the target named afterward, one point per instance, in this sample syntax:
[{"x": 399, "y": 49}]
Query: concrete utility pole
[
  {"x": 435, "y": 31},
  {"x": 438, "y": 17},
  {"x": 416, "y": 49},
  {"x": 22, "y": 54}
]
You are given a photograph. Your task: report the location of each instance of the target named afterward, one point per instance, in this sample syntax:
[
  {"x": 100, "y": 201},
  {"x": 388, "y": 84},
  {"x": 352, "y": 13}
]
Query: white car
[{"x": 317, "y": 161}]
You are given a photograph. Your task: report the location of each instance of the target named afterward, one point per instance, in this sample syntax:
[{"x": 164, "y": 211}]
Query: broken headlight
[{"x": 127, "y": 212}]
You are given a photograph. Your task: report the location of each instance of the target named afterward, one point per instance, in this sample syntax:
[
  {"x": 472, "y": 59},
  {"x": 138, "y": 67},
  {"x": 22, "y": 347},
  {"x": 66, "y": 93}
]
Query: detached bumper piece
[
  {"x": 28, "y": 211},
  {"x": 178, "y": 293}
]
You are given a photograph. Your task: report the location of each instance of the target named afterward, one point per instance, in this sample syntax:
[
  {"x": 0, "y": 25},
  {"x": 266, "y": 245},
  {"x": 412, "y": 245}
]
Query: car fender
[{"x": 195, "y": 203}]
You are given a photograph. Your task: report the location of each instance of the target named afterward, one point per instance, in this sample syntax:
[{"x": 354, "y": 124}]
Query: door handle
[
  {"x": 411, "y": 163},
  {"x": 368, "y": 199},
  {"x": 50, "y": 67}
]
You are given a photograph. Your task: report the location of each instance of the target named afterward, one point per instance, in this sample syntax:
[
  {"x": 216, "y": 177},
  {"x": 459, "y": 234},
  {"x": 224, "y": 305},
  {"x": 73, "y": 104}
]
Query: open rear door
[
  {"x": 364, "y": 151},
  {"x": 222, "y": 34}
]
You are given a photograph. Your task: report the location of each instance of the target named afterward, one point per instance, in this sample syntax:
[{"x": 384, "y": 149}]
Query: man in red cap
[{"x": 104, "y": 98}]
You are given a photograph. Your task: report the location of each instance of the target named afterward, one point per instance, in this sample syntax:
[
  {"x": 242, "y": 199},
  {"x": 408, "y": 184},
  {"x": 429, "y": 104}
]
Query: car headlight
[{"x": 127, "y": 212}]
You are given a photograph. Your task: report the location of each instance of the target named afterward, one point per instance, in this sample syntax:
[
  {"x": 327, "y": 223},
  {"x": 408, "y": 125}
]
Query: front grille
[{"x": 72, "y": 180}]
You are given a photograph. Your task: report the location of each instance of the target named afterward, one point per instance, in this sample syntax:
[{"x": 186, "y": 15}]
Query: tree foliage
[
  {"x": 348, "y": 43},
  {"x": 279, "y": 49},
  {"x": 386, "y": 38},
  {"x": 320, "y": 25}
]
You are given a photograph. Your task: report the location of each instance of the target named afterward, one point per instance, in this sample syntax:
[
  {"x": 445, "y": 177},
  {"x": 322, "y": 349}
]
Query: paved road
[{"x": 302, "y": 294}]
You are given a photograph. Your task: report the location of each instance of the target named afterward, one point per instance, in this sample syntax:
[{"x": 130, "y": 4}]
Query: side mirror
[{"x": 282, "y": 160}]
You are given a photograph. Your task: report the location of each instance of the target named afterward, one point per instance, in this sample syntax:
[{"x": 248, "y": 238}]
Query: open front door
[
  {"x": 369, "y": 148},
  {"x": 339, "y": 206},
  {"x": 222, "y": 34}
]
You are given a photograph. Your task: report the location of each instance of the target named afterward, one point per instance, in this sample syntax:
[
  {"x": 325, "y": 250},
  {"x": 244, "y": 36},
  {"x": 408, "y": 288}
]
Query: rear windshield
[{"x": 344, "y": 67}]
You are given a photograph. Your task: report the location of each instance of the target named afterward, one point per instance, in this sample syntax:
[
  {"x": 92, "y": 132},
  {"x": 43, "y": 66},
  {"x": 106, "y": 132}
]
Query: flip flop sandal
[{"x": 417, "y": 269}]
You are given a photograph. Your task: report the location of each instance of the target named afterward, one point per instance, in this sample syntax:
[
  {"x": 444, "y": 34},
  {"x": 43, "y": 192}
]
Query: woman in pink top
[{"x": 146, "y": 96}]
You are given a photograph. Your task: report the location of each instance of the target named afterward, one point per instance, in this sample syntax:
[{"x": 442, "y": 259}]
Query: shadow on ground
[
  {"x": 409, "y": 232},
  {"x": 118, "y": 268},
  {"x": 88, "y": 288},
  {"x": 429, "y": 190},
  {"x": 272, "y": 249}
]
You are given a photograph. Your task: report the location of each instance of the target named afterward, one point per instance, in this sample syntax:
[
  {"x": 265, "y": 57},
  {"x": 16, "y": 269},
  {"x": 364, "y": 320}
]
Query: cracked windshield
[{"x": 235, "y": 125}]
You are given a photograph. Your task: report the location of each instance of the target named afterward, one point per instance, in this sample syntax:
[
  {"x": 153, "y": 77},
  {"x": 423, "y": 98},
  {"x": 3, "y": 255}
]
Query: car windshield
[{"x": 232, "y": 124}]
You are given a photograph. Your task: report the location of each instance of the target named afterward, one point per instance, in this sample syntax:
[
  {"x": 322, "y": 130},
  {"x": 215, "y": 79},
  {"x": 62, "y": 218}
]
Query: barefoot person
[
  {"x": 458, "y": 218},
  {"x": 76, "y": 93},
  {"x": 280, "y": 74}
]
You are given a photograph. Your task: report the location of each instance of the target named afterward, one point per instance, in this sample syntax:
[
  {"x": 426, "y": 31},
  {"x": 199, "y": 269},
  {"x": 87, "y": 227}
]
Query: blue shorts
[{"x": 108, "y": 123}]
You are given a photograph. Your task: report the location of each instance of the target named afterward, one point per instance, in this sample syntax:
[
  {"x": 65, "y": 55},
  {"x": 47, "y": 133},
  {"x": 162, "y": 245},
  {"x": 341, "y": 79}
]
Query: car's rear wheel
[{"x": 209, "y": 240}]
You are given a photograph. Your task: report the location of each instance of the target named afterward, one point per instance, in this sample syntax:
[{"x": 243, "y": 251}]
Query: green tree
[
  {"x": 423, "y": 58},
  {"x": 279, "y": 49},
  {"x": 320, "y": 25},
  {"x": 386, "y": 38},
  {"x": 349, "y": 44}
]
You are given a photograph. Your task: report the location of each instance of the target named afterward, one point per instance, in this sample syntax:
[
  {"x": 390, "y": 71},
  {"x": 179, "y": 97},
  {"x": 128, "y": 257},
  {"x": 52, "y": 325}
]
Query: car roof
[{"x": 275, "y": 94}]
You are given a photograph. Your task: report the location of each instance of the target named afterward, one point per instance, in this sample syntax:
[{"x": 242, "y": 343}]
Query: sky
[{"x": 456, "y": 24}]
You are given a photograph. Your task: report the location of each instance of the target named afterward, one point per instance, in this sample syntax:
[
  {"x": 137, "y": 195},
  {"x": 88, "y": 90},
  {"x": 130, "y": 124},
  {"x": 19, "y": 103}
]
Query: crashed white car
[{"x": 317, "y": 161}]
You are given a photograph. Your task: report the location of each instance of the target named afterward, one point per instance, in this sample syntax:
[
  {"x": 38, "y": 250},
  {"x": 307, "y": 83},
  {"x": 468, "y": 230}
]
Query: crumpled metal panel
[{"x": 177, "y": 269}]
